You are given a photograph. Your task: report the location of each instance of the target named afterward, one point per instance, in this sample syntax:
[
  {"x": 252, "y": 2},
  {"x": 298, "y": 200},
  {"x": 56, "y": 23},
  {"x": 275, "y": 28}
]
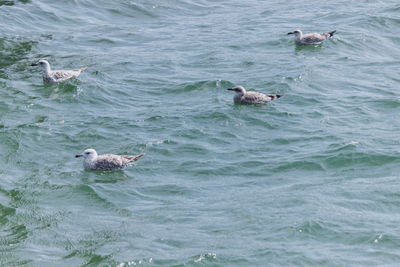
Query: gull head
[
  {"x": 88, "y": 154},
  {"x": 42, "y": 63},
  {"x": 238, "y": 90},
  {"x": 297, "y": 33}
]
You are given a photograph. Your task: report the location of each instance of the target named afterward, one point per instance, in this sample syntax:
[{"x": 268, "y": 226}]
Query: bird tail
[
  {"x": 82, "y": 69},
  {"x": 330, "y": 34},
  {"x": 134, "y": 158},
  {"x": 273, "y": 97}
]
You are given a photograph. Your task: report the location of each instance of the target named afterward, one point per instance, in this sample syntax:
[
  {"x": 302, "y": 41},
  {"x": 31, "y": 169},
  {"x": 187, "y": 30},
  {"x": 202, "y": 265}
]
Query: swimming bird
[
  {"x": 244, "y": 97},
  {"x": 55, "y": 76},
  {"x": 106, "y": 162},
  {"x": 310, "y": 38}
]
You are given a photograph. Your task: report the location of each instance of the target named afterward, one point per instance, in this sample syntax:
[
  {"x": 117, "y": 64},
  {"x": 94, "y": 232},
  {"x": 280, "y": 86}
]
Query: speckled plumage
[
  {"x": 55, "y": 76},
  {"x": 244, "y": 97},
  {"x": 310, "y": 38},
  {"x": 106, "y": 162}
]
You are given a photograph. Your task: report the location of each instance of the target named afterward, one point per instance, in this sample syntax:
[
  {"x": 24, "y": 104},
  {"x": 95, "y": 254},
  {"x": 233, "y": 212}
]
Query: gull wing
[
  {"x": 62, "y": 75},
  {"x": 255, "y": 98},
  {"x": 313, "y": 38},
  {"x": 110, "y": 162}
]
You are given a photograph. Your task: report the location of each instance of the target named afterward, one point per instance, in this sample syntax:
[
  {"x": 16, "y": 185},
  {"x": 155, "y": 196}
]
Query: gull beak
[
  {"x": 78, "y": 156},
  {"x": 230, "y": 89},
  {"x": 290, "y": 33},
  {"x": 34, "y": 64}
]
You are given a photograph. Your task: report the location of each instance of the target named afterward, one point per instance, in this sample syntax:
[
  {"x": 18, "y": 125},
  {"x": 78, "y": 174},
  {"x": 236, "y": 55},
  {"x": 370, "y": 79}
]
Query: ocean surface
[{"x": 311, "y": 179}]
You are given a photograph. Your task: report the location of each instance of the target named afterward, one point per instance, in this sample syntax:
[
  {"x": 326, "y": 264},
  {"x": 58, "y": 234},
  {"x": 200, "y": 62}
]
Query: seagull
[
  {"x": 55, "y": 76},
  {"x": 243, "y": 97},
  {"x": 106, "y": 162},
  {"x": 310, "y": 38}
]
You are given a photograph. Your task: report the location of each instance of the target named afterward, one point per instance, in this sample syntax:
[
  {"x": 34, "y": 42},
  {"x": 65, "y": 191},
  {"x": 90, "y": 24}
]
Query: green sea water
[{"x": 311, "y": 179}]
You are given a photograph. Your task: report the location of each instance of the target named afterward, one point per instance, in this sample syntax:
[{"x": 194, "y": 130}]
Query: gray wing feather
[
  {"x": 255, "y": 98},
  {"x": 110, "y": 162},
  {"x": 313, "y": 38},
  {"x": 62, "y": 75},
  {"x": 115, "y": 162}
]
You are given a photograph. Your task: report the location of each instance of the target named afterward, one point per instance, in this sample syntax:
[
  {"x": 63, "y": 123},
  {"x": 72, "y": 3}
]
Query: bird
[
  {"x": 106, "y": 162},
  {"x": 55, "y": 76},
  {"x": 310, "y": 38},
  {"x": 243, "y": 97}
]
